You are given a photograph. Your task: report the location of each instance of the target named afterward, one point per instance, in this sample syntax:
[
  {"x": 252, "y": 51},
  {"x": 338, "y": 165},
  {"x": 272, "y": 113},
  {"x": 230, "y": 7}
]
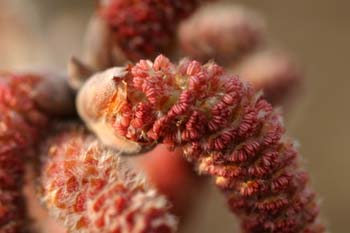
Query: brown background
[{"x": 316, "y": 32}]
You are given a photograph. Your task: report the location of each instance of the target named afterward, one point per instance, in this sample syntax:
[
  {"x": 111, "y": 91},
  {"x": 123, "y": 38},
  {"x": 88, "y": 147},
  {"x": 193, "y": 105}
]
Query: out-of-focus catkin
[
  {"x": 144, "y": 28},
  {"x": 223, "y": 127},
  {"x": 224, "y": 32},
  {"x": 88, "y": 188},
  {"x": 21, "y": 122},
  {"x": 274, "y": 72}
]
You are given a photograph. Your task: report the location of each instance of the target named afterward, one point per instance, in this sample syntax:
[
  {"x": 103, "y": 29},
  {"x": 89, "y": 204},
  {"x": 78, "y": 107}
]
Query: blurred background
[{"x": 45, "y": 33}]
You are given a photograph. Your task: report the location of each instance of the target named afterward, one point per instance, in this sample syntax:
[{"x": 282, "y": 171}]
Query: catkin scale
[{"x": 224, "y": 128}]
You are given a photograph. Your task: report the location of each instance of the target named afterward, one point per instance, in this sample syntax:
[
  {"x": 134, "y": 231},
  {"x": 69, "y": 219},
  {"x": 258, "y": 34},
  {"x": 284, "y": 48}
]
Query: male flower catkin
[
  {"x": 87, "y": 187},
  {"x": 20, "y": 124},
  {"x": 223, "y": 127},
  {"x": 26, "y": 101},
  {"x": 144, "y": 28}
]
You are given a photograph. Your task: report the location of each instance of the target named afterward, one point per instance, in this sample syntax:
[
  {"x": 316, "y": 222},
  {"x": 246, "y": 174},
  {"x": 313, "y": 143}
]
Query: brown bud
[
  {"x": 54, "y": 95},
  {"x": 100, "y": 51},
  {"x": 94, "y": 97}
]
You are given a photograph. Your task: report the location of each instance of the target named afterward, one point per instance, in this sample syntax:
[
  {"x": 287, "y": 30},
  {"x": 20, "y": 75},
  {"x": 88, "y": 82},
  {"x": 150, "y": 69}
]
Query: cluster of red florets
[
  {"x": 221, "y": 125},
  {"x": 86, "y": 187},
  {"x": 227, "y": 131},
  {"x": 20, "y": 124},
  {"x": 144, "y": 28}
]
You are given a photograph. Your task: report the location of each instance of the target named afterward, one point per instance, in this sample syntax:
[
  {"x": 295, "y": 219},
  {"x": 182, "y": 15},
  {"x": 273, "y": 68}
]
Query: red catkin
[
  {"x": 20, "y": 124},
  {"x": 144, "y": 28},
  {"x": 87, "y": 187},
  {"x": 223, "y": 127}
]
